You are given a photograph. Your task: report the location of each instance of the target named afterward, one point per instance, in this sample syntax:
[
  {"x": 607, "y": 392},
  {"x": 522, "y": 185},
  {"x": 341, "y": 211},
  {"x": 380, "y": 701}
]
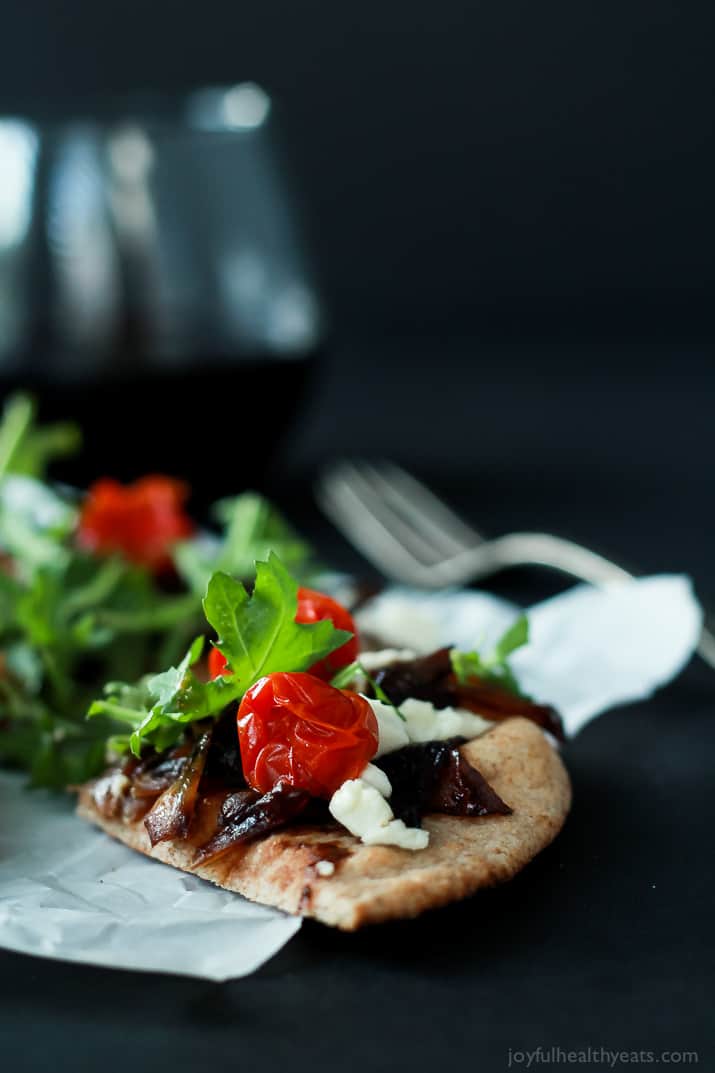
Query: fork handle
[{"x": 544, "y": 549}]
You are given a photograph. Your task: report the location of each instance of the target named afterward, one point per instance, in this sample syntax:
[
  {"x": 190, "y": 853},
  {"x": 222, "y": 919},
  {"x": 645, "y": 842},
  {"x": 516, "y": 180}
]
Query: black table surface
[{"x": 606, "y": 940}]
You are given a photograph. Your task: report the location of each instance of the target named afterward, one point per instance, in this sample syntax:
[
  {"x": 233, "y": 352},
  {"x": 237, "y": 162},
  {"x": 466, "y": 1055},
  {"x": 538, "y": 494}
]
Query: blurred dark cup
[{"x": 154, "y": 286}]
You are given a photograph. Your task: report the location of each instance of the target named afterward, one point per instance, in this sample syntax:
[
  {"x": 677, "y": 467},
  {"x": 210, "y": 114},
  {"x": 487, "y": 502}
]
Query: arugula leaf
[
  {"x": 493, "y": 667},
  {"x": 259, "y": 635},
  {"x": 252, "y": 527},
  {"x": 515, "y": 637},
  {"x": 346, "y": 675},
  {"x": 71, "y": 615},
  {"x": 28, "y": 448},
  {"x": 158, "y": 707}
]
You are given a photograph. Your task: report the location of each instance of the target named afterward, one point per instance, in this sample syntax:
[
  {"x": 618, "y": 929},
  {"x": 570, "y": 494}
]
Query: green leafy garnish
[
  {"x": 252, "y": 527},
  {"x": 28, "y": 448},
  {"x": 159, "y": 706},
  {"x": 70, "y": 621},
  {"x": 257, "y": 634},
  {"x": 493, "y": 667}
]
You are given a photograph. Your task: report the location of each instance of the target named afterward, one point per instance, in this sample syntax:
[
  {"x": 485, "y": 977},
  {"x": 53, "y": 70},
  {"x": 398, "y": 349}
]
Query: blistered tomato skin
[
  {"x": 314, "y": 607},
  {"x": 141, "y": 521},
  {"x": 298, "y": 730}
]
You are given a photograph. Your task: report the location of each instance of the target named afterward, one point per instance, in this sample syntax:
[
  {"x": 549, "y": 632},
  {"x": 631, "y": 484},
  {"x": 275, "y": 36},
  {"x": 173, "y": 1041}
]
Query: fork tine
[
  {"x": 382, "y": 511},
  {"x": 378, "y": 498},
  {"x": 383, "y": 538},
  {"x": 437, "y": 522}
]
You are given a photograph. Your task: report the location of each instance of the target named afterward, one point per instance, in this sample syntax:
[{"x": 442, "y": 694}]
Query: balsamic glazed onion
[
  {"x": 246, "y": 815},
  {"x": 171, "y": 814},
  {"x": 433, "y": 776}
]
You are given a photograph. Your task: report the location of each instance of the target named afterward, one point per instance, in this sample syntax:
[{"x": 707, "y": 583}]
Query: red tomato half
[
  {"x": 298, "y": 730},
  {"x": 141, "y": 521},
  {"x": 312, "y": 607}
]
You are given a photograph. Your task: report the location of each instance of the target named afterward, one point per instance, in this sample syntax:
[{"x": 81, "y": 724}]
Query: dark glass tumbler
[{"x": 154, "y": 286}]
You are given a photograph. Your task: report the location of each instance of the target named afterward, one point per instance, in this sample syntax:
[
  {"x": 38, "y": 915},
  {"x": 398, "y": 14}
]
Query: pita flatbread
[{"x": 375, "y": 883}]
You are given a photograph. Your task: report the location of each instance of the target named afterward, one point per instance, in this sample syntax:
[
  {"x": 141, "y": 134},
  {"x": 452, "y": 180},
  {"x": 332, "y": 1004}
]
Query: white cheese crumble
[
  {"x": 376, "y": 777},
  {"x": 361, "y": 808},
  {"x": 392, "y": 731},
  {"x": 397, "y": 834},
  {"x": 325, "y": 868},
  {"x": 422, "y": 722}
]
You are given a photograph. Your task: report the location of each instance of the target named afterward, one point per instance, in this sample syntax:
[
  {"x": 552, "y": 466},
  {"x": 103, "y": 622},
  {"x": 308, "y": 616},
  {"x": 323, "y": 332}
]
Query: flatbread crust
[{"x": 377, "y": 883}]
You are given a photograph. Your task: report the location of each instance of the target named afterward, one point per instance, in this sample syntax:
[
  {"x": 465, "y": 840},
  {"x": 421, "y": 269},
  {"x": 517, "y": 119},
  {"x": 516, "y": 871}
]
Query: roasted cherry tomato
[
  {"x": 316, "y": 606},
  {"x": 312, "y": 607},
  {"x": 217, "y": 663},
  {"x": 141, "y": 521},
  {"x": 298, "y": 730}
]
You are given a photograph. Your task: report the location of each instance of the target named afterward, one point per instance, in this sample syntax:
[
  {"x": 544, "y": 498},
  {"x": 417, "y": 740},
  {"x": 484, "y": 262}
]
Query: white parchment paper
[
  {"x": 589, "y": 650},
  {"x": 68, "y": 891}
]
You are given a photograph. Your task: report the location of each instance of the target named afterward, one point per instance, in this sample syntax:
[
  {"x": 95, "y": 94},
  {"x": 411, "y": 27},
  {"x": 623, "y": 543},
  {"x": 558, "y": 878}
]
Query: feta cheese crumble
[
  {"x": 376, "y": 777},
  {"x": 422, "y": 722},
  {"x": 362, "y": 808},
  {"x": 392, "y": 731}
]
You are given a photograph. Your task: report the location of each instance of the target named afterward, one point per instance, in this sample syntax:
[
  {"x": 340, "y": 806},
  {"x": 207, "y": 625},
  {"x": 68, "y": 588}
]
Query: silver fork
[{"x": 412, "y": 536}]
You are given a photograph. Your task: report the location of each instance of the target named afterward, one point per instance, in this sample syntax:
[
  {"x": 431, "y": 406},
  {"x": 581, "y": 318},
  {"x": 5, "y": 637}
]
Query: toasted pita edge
[{"x": 378, "y": 883}]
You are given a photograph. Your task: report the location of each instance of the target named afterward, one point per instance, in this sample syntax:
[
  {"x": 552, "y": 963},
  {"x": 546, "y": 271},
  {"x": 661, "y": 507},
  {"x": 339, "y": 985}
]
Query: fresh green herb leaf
[
  {"x": 158, "y": 707},
  {"x": 27, "y": 448},
  {"x": 515, "y": 637},
  {"x": 252, "y": 527},
  {"x": 494, "y": 666},
  {"x": 259, "y": 635},
  {"x": 347, "y": 675}
]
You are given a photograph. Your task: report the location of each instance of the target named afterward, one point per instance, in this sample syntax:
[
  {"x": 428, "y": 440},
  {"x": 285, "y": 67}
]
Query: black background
[
  {"x": 505, "y": 168},
  {"x": 511, "y": 206}
]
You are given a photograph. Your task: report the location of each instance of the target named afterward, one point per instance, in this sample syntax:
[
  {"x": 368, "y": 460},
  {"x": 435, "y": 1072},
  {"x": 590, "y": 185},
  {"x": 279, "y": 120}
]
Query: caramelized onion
[
  {"x": 152, "y": 781},
  {"x": 245, "y": 815},
  {"x": 171, "y": 814},
  {"x": 433, "y": 776},
  {"x": 426, "y": 678}
]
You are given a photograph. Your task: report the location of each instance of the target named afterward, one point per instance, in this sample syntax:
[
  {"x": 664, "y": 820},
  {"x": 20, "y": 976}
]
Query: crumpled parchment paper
[{"x": 68, "y": 891}]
